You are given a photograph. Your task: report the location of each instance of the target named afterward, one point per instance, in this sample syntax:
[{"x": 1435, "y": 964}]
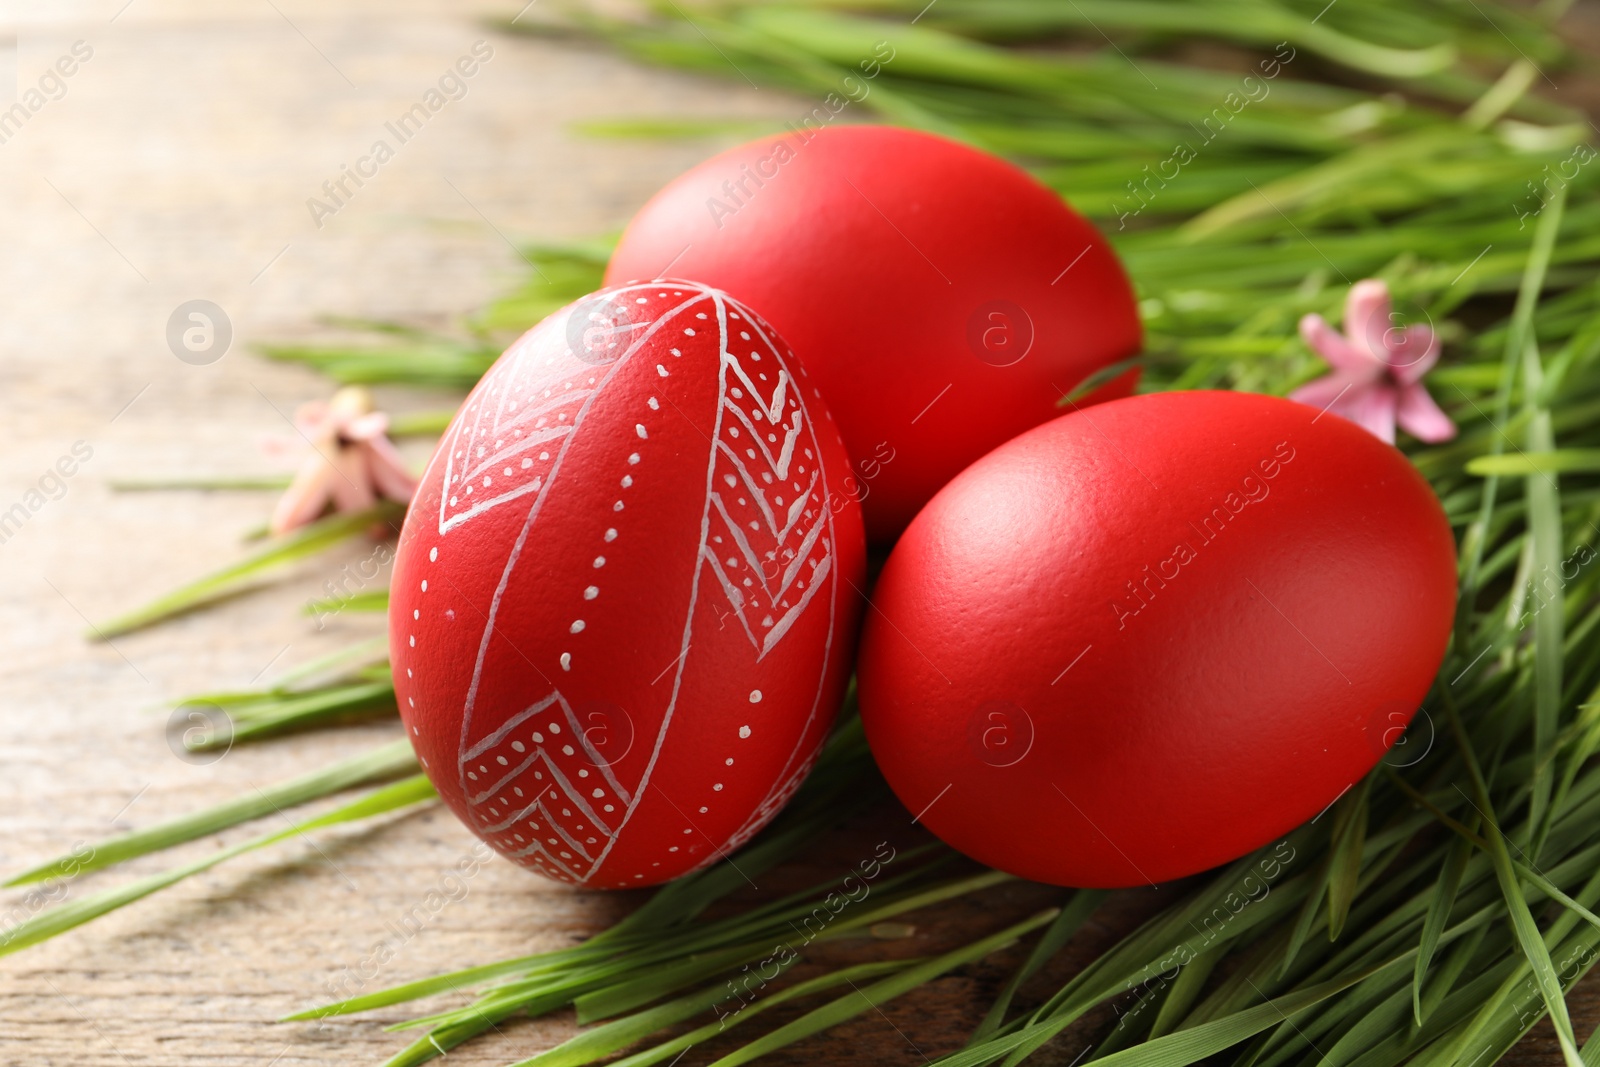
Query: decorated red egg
[
  {"x": 943, "y": 299},
  {"x": 624, "y": 600},
  {"x": 1142, "y": 640}
]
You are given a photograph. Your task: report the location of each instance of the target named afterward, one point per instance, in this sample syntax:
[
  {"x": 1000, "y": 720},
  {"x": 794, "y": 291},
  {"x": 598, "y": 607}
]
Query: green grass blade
[
  {"x": 64, "y": 917},
  {"x": 1439, "y": 909},
  {"x": 390, "y": 761},
  {"x": 1073, "y": 915},
  {"x": 609, "y": 1037},
  {"x": 1344, "y": 870},
  {"x": 1536, "y": 462},
  {"x": 1527, "y": 931},
  {"x": 237, "y": 577},
  {"x": 880, "y": 992},
  {"x": 822, "y": 983}
]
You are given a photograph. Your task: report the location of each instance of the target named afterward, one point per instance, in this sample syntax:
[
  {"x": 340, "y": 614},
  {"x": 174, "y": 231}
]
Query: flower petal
[
  {"x": 351, "y": 484},
  {"x": 388, "y": 471},
  {"x": 1325, "y": 391},
  {"x": 305, "y": 499},
  {"x": 1372, "y": 408},
  {"x": 1366, "y": 317},
  {"x": 1327, "y": 342},
  {"x": 1412, "y": 353},
  {"x": 1421, "y": 417}
]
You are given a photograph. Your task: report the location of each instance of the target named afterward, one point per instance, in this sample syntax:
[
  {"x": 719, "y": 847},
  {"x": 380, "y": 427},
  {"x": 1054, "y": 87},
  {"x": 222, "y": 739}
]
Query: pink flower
[
  {"x": 353, "y": 465},
  {"x": 1377, "y": 368}
]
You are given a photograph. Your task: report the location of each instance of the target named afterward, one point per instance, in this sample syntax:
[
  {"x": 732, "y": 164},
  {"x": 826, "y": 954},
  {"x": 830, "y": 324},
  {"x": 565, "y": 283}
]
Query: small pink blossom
[
  {"x": 1377, "y": 368},
  {"x": 353, "y": 464}
]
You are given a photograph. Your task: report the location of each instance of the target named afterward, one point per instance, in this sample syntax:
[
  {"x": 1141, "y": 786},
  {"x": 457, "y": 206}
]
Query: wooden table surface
[{"x": 175, "y": 163}]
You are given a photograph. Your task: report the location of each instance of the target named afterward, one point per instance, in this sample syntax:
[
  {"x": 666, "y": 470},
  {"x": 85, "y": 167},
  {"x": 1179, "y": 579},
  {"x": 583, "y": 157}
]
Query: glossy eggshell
[
  {"x": 942, "y": 298},
  {"x": 1142, "y": 640},
  {"x": 625, "y": 598}
]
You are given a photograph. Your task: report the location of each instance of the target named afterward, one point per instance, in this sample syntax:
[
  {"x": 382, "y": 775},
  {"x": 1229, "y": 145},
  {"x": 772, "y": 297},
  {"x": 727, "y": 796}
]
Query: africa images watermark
[
  {"x": 451, "y": 887},
  {"x": 744, "y": 987},
  {"x": 738, "y": 192},
  {"x": 1252, "y": 888},
  {"x": 1549, "y": 586},
  {"x": 1551, "y": 182},
  {"x": 1253, "y": 488},
  {"x": 1252, "y": 90},
  {"x": 451, "y": 86},
  {"x": 55, "y": 891},
  {"x": 52, "y": 485},
  {"x": 341, "y": 593},
  {"x": 51, "y": 86}
]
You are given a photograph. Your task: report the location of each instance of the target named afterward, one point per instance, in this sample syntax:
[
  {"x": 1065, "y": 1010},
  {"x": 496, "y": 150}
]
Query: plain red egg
[
  {"x": 943, "y": 299},
  {"x": 625, "y": 597},
  {"x": 1144, "y": 639}
]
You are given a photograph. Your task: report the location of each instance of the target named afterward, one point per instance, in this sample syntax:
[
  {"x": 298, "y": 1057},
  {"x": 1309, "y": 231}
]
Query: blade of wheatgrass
[
  {"x": 1311, "y": 912},
  {"x": 1073, "y": 915},
  {"x": 638, "y": 990},
  {"x": 368, "y": 601},
  {"x": 276, "y": 715},
  {"x": 64, "y": 917},
  {"x": 455, "y": 981},
  {"x": 668, "y": 977},
  {"x": 1544, "y": 528},
  {"x": 880, "y": 992},
  {"x": 372, "y": 650},
  {"x": 236, "y": 577},
  {"x": 1193, "y": 1043},
  {"x": 201, "y": 481},
  {"x": 1344, "y": 861},
  {"x": 420, "y": 423},
  {"x": 1453, "y": 969},
  {"x": 1439, "y": 908},
  {"x": 389, "y": 761},
  {"x": 610, "y": 1037},
  {"x": 1185, "y": 991},
  {"x": 1534, "y": 461},
  {"x": 1527, "y": 931},
  {"x": 810, "y": 987},
  {"x": 1518, "y": 330}
]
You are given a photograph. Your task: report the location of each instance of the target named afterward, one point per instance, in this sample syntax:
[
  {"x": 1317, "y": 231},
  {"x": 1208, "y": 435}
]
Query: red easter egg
[
  {"x": 943, "y": 299},
  {"x": 624, "y": 600},
  {"x": 1143, "y": 640}
]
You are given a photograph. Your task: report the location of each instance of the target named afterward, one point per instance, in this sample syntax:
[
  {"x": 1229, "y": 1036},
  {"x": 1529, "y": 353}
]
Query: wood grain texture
[{"x": 177, "y": 165}]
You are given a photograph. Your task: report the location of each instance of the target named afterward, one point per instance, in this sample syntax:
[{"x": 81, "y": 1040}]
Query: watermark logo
[
  {"x": 1000, "y": 333},
  {"x": 601, "y": 327},
  {"x": 199, "y": 332},
  {"x": 199, "y": 733},
  {"x": 1400, "y": 734},
  {"x": 1000, "y": 733},
  {"x": 607, "y": 730}
]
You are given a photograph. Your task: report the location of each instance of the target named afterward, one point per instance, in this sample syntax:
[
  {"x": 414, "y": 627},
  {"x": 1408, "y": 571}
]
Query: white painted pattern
[
  {"x": 539, "y": 788},
  {"x": 766, "y": 536},
  {"x": 770, "y": 546}
]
